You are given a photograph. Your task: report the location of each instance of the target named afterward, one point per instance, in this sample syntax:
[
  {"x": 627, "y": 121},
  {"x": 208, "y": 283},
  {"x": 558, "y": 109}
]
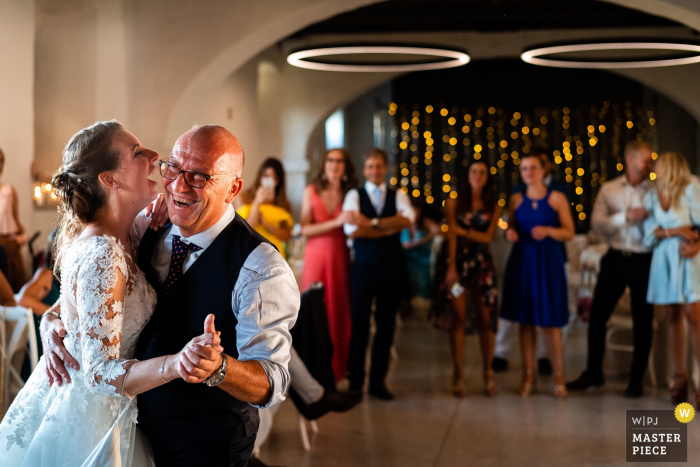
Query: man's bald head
[
  {"x": 216, "y": 142},
  {"x": 213, "y": 151}
]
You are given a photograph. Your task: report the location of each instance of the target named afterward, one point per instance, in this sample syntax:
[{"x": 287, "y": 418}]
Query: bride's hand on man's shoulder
[
  {"x": 202, "y": 355},
  {"x": 158, "y": 210}
]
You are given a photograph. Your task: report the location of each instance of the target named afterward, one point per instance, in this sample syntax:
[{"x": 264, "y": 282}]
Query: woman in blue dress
[
  {"x": 674, "y": 281},
  {"x": 535, "y": 287}
]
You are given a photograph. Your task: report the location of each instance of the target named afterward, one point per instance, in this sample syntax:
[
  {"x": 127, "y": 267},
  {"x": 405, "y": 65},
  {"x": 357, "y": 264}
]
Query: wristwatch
[
  {"x": 218, "y": 376},
  {"x": 375, "y": 222}
]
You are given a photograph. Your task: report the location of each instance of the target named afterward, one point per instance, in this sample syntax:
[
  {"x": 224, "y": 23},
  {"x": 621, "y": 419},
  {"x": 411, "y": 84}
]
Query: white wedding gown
[{"x": 62, "y": 426}]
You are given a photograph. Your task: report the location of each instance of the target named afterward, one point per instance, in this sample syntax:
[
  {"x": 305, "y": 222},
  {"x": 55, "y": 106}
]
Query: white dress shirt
[
  {"x": 352, "y": 203},
  {"x": 609, "y": 217},
  {"x": 265, "y": 299}
]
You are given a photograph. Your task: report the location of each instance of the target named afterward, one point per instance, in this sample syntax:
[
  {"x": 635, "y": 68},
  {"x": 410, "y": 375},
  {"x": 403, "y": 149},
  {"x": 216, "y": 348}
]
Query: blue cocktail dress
[
  {"x": 534, "y": 286},
  {"x": 673, "y": 279}
]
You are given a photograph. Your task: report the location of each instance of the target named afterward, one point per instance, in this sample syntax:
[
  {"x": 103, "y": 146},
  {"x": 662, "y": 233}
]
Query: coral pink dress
[{"x": 326, "y": 260}]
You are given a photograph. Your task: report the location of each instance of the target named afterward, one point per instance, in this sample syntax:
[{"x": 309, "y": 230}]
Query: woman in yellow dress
[{"x": 265, "y": 206}]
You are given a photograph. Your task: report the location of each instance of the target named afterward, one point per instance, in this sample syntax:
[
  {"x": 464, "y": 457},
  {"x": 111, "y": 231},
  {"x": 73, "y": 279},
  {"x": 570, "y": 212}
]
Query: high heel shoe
[
  {"x": 490, "y": 388},
  {"x": 526, "y": 387},
  {"x": 679, "y": 390},
  {"x": 560, "y": 389},
  {"x": 459, "y": 389}
]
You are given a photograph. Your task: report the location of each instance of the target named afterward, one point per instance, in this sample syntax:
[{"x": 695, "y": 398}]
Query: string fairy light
[{"x": 434, "y": 142}]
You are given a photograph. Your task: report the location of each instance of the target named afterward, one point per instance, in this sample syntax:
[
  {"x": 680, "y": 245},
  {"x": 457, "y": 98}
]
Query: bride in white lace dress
[{"x": 105, "y": 303}]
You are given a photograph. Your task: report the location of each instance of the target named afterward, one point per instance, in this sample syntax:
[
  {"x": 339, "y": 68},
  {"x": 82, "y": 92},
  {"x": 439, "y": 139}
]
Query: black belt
[{"x": 628, "y": 253}]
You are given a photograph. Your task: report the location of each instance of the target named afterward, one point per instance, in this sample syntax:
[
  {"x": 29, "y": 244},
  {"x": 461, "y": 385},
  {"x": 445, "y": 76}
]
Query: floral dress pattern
[
  {"x": 475, "y": 268},
  {"x": 61, "y": 426}
]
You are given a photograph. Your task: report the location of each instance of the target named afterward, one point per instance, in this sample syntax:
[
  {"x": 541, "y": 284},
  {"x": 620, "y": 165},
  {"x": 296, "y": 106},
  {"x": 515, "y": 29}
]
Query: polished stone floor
[{"x": 426, "y": 426}]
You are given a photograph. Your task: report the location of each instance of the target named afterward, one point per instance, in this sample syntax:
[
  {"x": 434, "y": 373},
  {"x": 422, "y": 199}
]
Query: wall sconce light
[{"x": 44, "y": 196}]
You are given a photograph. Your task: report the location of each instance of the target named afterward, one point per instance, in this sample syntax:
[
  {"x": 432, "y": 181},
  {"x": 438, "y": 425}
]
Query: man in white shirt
[
  {"x": 619, "y": 214},
  {"x": 378, "y": 270}
]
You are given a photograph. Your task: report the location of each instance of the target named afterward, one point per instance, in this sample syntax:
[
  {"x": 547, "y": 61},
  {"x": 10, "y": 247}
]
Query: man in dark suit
[
  {"x": 378, "y": 270},
  {"x": 505, "y": 336}
]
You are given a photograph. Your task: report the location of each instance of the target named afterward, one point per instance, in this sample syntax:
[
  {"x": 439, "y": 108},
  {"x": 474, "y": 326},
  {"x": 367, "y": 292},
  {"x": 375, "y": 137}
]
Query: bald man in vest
[{"x": 229, "y": 271}]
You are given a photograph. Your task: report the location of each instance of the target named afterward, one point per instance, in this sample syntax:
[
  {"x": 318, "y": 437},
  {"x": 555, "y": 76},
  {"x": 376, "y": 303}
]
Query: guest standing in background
[
  {"x": 326, "y": 257},
  {"x": 618, "y": 214},
  {"x": 42, "y": 290},
  {"x": 674, "y": 281},
  {"x": 378, "y": 270},
  {"x": 472, "y": 219},
  {"x": 534, "y": 287},
  {"x": 506, "y": 333},
  {"x": 7, "y": 298},
  {"x": 417, "y": 241},
  {"x": 12, "y": 233},
  {"x": 265, "y": 206}
]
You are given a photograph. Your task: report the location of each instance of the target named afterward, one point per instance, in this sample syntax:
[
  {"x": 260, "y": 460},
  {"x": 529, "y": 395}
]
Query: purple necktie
[{"x": 180, "y": 250}]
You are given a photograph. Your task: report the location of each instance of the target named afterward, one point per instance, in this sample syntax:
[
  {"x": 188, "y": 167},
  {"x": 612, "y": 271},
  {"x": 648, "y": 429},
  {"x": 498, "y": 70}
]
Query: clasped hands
[
  {"x": 201, "y": 356},
  {"x": 537, "y": 233},
  {"x": 198, "y": 359},
  {"x": 690, "y": 246}
]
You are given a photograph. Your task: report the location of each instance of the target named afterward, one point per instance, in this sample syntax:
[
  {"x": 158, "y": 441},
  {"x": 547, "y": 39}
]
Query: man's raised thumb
[{"x": 209, "y": 324}]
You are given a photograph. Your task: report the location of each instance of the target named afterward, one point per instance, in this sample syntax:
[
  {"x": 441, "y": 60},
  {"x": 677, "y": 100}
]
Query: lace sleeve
[{"x": 101, "y": 284}]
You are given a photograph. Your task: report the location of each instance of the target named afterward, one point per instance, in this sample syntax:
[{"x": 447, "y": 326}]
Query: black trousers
[
  {"x": 617, "y": 271},
  {"x": 240, "y": 452},
  {"x": 370, "y": 281}
]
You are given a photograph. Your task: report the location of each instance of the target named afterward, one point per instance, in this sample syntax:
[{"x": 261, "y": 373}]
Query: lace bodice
[{"x": 106, "y": 302}]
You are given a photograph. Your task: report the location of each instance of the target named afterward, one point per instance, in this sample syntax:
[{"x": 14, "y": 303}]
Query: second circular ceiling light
[{"x": 606, "y": 54}]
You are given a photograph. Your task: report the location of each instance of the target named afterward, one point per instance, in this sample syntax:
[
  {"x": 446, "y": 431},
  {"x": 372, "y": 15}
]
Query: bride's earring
[{"x": 118, "y": 186}]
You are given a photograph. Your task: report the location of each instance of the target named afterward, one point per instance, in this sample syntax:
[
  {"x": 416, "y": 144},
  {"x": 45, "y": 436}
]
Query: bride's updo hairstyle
[{"x": 88, "y": 154}]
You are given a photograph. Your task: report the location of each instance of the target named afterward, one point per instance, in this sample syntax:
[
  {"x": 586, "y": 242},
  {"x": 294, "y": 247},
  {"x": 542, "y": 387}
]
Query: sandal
[
  {"x": 490, "y": 388},
  {"x": 679, "y": 390},
  {"x": 459, "y": 388},
  {"x": 560, "y": 389},
  {"x": 526, "y": 387}
]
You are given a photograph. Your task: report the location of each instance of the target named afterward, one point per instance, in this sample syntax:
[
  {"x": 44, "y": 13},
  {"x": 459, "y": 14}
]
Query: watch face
[{"x": 215, "y": 380}]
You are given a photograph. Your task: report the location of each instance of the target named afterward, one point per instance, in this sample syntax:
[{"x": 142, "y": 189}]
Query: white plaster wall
[{"x": 17, "y": 99}]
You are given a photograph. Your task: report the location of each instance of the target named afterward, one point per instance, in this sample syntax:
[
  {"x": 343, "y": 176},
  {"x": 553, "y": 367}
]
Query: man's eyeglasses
[{"x": 170, "y": 171}]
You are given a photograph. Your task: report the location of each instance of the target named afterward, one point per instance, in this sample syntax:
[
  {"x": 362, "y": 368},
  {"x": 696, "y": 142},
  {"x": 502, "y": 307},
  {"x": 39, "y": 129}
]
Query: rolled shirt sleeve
[
  {"x": 602, "y": 221},
  {"x": 351, "y": 203},
  {"x": 266, "y": 302},
  {"x": 403, "y": 206}
]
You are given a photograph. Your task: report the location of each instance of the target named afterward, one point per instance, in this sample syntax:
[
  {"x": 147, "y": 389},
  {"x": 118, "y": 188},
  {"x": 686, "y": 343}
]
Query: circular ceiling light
[
  {"x": 676, "y": 53},
  {"x": 432, "y": 58}
]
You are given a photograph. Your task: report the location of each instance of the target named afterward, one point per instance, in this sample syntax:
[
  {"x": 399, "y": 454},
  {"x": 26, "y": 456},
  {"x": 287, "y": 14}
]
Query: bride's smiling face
[{"x": 136, "y": 165}]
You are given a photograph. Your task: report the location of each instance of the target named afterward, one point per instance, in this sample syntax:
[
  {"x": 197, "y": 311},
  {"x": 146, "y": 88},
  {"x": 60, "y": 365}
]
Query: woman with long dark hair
[
  {"x": 472, "y": 219},
  {"x": 265, "y": 206},
  {"x": 326, "y": 257},
  {"x": 534, "y": 286}
]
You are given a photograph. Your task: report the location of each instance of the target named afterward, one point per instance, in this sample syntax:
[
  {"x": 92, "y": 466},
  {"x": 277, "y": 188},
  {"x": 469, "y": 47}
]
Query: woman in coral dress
[{"x": 326, "y": 257}]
